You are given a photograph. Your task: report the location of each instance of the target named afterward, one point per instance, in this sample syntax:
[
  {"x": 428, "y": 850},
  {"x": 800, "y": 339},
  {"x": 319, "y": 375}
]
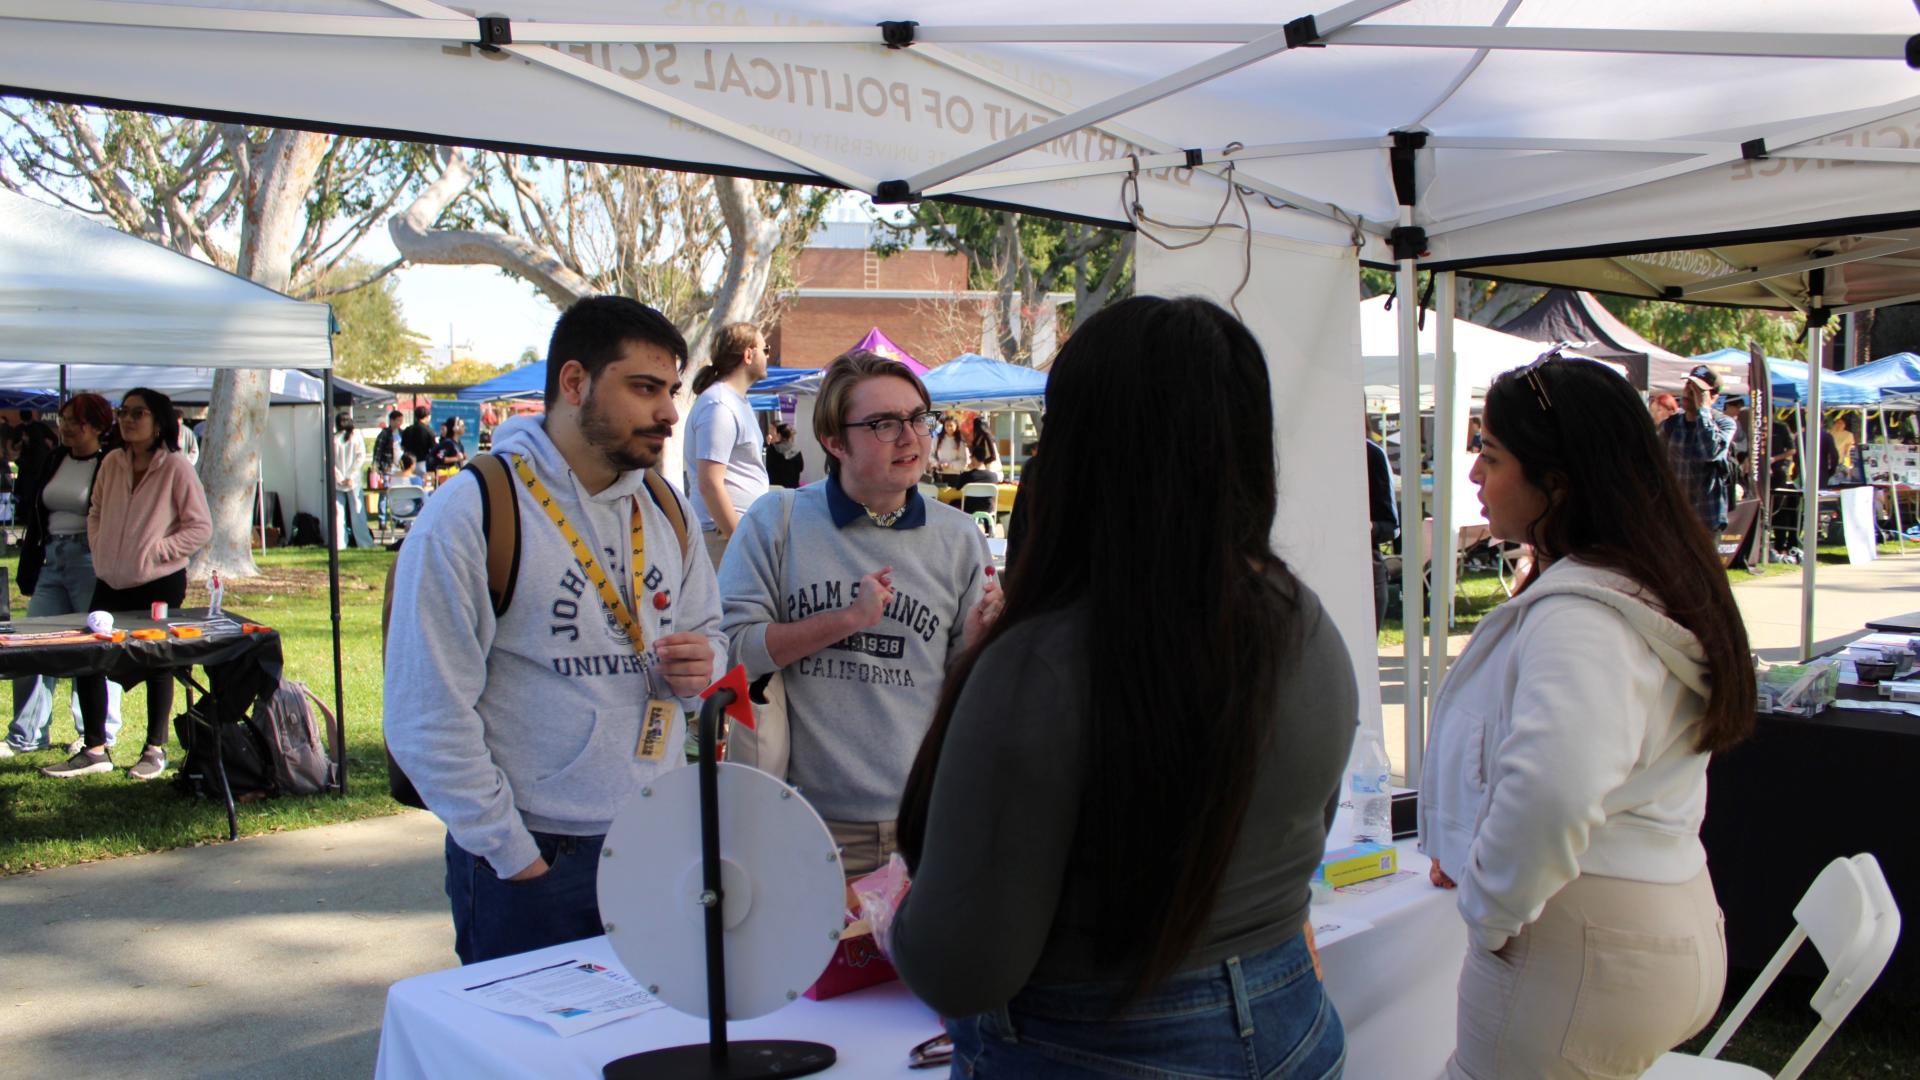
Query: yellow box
[{"x": 1357, "y": 863}]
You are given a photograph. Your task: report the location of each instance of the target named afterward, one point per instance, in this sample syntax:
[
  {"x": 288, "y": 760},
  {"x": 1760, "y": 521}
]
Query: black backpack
[
  {"x": 306, "y": 531},
  {"x": 500, "y": 509},
  {"x": 249, "y": 769}
]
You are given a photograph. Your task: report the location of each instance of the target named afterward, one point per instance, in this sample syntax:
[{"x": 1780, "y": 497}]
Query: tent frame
[{"x": 428, "y": 21}]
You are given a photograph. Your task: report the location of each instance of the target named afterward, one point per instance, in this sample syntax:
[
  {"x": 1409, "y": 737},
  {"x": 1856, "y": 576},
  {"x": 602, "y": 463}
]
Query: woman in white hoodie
[{"x": 1566, "y": 778}]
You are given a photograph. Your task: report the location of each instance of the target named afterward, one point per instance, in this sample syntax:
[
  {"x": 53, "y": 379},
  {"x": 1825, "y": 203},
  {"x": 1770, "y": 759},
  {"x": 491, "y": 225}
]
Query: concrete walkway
[
  {"x": 268, "y": 957},
  {"x": 271, "y": 957}
]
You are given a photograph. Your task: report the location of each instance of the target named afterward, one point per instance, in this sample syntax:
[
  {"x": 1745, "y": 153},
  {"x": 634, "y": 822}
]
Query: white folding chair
[
  {"x": 403, "y": 504},
  {"x": 929, "y": 491},
  {"x": 972, "y": 496},
  {"x": 1850, "y": 916}
]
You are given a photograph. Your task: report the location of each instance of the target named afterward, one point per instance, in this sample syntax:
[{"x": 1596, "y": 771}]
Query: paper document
[
  {"x": 1362, "y": 888},
  {"x": 570, "y": 997},
  {"x": 1329, "y": 927}
]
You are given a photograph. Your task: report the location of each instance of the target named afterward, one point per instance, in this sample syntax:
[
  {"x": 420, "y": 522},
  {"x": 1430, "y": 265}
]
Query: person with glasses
[
  {"x": 148, "y": 517},
  {"x": 56, "y": 565},
  {"x": 1126, "y": 788},
  {"x": 859, "y": 592},
  {"x": 1566, "y": 776}
]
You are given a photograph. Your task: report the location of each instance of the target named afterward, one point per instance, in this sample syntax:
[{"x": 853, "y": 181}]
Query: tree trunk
[
  {"x": 280, "y": 179},
  {"x": 753, "y": 237}
]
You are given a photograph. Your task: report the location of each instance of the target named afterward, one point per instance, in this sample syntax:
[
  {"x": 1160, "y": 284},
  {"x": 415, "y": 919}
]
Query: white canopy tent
[
  {"x": 1448, "y": 132},
  {"x": 75, "y": 292}
]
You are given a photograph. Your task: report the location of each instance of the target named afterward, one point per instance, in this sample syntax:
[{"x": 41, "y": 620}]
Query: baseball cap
[{"x": 1703, "y": 377}]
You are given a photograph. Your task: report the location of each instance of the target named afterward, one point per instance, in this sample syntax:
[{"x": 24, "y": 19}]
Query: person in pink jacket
[{"x": 149, "y": 516}]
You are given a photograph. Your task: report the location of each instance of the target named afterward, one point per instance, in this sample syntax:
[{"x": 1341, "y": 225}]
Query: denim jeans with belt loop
[
  {"x": 1264, "y": 1016},
  {"x": 494, "y": 917}
]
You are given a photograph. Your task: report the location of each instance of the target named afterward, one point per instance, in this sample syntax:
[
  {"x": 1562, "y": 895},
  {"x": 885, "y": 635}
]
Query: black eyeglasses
[{"x": 889, "y": 428}]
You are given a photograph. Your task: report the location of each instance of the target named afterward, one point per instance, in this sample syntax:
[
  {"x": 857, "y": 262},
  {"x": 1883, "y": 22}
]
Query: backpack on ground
[
  {"x": 306, "y": 531},
  {"x": 500, "y": 510},
  {"x": 296, "y": 745},
  {"x": 248, "y": 767}
]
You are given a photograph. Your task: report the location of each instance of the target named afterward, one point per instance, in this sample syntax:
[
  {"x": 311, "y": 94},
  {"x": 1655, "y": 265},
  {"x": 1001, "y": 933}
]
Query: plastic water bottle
[
  {"x": 215, "y": 589},
  {"x": 1368, "y": 787}
]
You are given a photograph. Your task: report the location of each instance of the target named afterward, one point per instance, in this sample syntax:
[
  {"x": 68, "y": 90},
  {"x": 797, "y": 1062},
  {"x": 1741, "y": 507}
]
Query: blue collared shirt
[{"x": 845, "y": 511}]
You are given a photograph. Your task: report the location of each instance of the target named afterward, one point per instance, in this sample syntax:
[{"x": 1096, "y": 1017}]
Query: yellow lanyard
[{"x": 590, "y": 566}]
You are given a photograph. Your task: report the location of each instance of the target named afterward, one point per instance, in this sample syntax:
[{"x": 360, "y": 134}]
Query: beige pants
[
  {"x": 864, "y": 846},
  {"x": 1613, "y": 974},
  {"x": 716, "y": 545}
]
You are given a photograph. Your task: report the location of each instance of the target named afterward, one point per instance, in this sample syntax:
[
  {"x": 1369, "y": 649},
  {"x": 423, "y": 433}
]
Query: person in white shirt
[
  {"x": 725, "y": 450},
  {"x": 349, "y": 481},
  {"x": 1566, "y": 779}
]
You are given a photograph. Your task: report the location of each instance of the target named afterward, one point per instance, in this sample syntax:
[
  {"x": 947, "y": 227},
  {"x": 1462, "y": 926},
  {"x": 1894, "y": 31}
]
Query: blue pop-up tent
[
  {"x": 526, "y": 381},
  {"x": 1789, "y": 380},
  {"x": 1896, "y": 377},
  {"x": 970, "y": 379}
]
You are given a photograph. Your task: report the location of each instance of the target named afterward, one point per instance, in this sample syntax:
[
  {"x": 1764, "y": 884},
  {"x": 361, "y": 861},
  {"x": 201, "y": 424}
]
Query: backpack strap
[
  {"x": 669, "y": 503},
  {"x": 501, "y": 510}
]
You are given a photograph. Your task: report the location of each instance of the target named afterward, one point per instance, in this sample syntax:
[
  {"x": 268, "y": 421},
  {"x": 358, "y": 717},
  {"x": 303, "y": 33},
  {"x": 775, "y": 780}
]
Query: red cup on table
[{"x": 158, "y": 610}]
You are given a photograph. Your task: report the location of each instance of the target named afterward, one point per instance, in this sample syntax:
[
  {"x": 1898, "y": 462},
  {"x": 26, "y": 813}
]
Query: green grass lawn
[{"x": 50, "y": 823}]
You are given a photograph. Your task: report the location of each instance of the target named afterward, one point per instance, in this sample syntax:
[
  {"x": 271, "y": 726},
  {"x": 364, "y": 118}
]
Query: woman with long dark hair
[
  {"x": 56, "y": 565},
  {"x": 949, "y": 460},
  {"x": 1566, "y": 777},
  {"x": 1112, "y": 822},
  {"x": 149, "y": 515}
]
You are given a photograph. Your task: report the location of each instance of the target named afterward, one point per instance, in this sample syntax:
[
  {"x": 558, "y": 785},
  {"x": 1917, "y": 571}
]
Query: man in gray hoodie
[
  {"x": 526, "y": 731},
  {"x": 861, "y": 592}
]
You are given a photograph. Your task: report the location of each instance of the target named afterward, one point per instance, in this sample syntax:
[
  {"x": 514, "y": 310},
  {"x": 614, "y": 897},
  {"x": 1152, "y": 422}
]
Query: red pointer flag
[{"x": 736, "y": 681}]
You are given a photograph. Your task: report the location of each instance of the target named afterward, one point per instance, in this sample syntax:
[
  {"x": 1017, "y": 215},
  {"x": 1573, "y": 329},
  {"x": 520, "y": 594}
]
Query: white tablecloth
[{"x": 1394, "y": 985}]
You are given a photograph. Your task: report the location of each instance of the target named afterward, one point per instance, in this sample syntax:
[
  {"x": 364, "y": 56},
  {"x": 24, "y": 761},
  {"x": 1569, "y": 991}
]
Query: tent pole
[
  {"x": 333, "y": 573},
  {"x": 1446, "y": 539},
  {"x": 1412, "y": 602},
  {"x": 1810, "y": 478}
]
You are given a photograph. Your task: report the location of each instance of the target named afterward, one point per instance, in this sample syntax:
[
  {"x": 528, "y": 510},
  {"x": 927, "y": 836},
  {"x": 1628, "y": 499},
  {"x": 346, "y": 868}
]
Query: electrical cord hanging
[{"x": 1138, "y": 217}]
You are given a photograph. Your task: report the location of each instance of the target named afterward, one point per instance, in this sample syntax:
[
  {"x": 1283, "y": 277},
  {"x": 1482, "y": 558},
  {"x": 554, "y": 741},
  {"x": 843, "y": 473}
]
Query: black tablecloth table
[
  {"x": 1798, "y": 794},
  {"x": 1897, "y": 624},
  {"x": 240, "y": 666}
]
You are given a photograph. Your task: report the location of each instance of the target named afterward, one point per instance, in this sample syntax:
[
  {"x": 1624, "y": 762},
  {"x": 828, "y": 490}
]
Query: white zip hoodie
[
  {"x": 1563, "y": 744},
  {"x": 529, "y": 722}
]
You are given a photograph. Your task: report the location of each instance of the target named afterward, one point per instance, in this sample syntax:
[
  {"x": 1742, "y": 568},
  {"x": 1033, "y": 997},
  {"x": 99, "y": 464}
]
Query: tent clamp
[
  {"x": 495, "y": 31},
  {"x": 1304, "y": 33},
  {"x": 1196, "y": 157},
  {"x": 1409, "y": 242},
  {"x": 1673, "y": 292},
  {"x": 1754, "y": 150},
  {"x": 894, "y": 192},
  {"x": 1913, "y": 51},
  {"x": 898, "y": 34},
  {"x": 1400, "y": 158}
]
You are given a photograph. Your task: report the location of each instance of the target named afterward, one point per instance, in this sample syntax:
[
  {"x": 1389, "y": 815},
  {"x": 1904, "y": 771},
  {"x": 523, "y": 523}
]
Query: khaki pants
[
  {"x": 1613, "y": 974},
  {"x": 864, "y": 846},
  {"x": 716, "y": 545}
]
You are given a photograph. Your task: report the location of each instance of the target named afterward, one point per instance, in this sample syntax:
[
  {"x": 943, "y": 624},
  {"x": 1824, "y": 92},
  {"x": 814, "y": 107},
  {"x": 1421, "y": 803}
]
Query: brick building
[{"x": 918, "y": 297}]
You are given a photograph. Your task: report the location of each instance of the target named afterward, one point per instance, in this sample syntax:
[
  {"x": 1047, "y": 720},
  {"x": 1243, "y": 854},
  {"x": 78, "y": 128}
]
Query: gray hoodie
[{"x": 530, "y": 722}]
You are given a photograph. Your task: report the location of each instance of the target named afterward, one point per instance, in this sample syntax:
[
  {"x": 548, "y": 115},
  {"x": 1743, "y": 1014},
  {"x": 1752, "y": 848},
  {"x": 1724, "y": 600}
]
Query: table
[
  {"x": 1004, "y": 502},
  {"x": 1393, "y": 983},
  {"x": 1789, "y": 800},
  {"x": 239, "y": 666},
  {"x": 1897, "y": 624}
]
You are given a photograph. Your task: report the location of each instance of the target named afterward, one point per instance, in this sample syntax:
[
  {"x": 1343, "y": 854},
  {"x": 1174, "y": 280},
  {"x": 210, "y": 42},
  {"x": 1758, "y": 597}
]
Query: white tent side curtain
[
  {"x": 73, "y": 291},
  {"x": 1721, "y": 116}
]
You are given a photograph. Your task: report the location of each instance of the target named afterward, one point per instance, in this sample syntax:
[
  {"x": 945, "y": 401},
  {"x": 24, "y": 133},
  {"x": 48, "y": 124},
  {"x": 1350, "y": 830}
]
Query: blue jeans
[
  {"x": 493, "y": 917},
  {"x": 65, "y": 587},
  {"x": 353, "y": 519},
  {"x": 1262, "y": 1016}
]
